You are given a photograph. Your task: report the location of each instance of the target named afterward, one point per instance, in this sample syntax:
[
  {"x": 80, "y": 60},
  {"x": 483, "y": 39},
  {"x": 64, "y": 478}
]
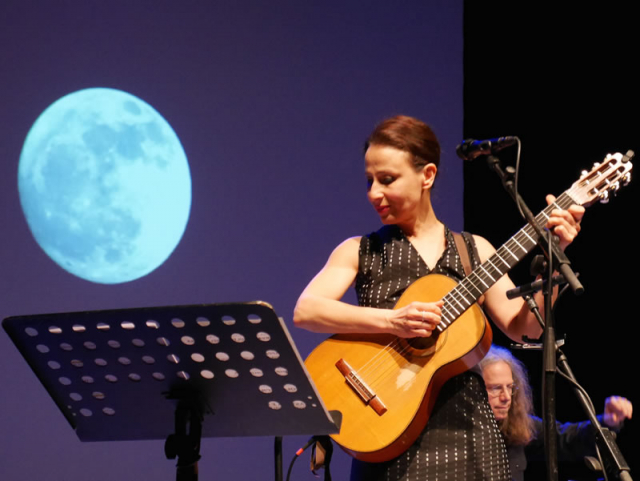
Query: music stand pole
[{"x": 277, "y": 450}]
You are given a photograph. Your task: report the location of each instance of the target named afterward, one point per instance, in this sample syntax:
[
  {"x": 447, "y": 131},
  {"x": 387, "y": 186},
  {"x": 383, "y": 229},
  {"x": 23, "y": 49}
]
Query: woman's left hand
[{"x": 565, "y": 223}]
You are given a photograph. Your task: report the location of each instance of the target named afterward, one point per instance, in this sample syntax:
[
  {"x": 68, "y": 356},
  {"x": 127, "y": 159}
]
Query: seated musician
[{"x": 509, "y": 393}]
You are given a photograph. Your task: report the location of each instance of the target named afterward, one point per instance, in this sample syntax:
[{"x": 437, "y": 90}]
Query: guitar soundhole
[{"x": 423, "y": 346}]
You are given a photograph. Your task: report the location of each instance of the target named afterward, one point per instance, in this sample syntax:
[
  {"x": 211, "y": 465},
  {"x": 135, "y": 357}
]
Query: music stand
[{"x": 213, "y": 370}]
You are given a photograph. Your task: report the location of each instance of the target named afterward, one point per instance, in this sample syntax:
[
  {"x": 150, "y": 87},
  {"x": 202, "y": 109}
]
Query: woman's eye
[{"x": 386, "y": 180}]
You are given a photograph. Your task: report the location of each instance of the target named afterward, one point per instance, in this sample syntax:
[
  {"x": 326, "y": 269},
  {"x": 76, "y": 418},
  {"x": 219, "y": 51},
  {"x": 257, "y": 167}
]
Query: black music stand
[{"x": 214, "y": 370}]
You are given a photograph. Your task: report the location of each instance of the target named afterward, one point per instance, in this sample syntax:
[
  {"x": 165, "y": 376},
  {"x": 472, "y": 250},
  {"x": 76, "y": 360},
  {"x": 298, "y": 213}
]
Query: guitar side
[{"x": 405, "y": 378}]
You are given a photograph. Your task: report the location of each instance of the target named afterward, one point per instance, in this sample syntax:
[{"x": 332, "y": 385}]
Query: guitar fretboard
[{"x": 469, "y": 290}]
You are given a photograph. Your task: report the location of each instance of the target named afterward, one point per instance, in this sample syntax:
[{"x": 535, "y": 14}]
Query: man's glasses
[{"x": 496, "y": 389}]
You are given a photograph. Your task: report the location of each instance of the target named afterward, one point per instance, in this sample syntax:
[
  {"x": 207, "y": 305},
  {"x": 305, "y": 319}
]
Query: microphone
[
  {"x": 534, "y": 286},
  {"x": 470, "y": 149}
]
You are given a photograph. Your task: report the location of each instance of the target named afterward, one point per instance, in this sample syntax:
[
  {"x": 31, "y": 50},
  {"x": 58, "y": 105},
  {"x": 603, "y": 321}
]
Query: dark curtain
[{"x": 562, "y": 80}]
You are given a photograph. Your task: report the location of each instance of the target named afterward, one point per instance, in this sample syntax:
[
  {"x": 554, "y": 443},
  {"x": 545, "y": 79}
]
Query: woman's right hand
[{"x": 417, "y": 319}]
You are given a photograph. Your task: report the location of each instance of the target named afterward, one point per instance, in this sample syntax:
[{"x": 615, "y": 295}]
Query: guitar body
[{"x": 405, "y": 375}]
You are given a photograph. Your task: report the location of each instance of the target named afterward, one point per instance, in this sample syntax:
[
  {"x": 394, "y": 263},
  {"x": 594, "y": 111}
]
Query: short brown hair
[{"x": 409, "y": 135}]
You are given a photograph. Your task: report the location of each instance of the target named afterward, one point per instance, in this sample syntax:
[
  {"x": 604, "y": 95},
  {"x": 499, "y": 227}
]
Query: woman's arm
[
  {"x": 320, "y": 309},
  {"x": 513, "y": 317}
]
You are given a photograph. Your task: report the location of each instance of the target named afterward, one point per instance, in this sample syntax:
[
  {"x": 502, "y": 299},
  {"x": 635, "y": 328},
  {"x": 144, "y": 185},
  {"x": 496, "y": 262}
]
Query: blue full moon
[{"x": 104, "y": 185}]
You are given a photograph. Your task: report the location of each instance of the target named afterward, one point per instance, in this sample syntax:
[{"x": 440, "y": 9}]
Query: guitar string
[
  {"x": 396, "y": 363},
  {"x": 374, "y": 364},
  {"x": 397, "y": 359},
  {"x": 395, "y": 349},
  {"x": 523, "y": 242},
  {"x": 456, "y": 295},
  {"x": 365, "y": 371}
]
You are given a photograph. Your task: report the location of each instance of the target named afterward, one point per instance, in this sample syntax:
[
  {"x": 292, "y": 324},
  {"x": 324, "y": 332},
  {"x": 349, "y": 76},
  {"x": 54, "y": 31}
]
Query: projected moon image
[{"x": 104, "y": 185}]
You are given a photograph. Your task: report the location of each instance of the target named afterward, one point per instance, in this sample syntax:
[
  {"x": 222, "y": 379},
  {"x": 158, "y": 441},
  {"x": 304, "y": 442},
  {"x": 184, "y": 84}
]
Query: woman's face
[{"x": 394, "y": 188}]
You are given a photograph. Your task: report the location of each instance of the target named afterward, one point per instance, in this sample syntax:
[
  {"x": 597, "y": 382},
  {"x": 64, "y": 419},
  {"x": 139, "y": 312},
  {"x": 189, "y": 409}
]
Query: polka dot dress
[{"x": 462, "y": 440}]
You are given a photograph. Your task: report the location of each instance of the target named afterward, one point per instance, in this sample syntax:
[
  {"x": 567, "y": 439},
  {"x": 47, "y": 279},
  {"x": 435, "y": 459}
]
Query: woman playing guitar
[{"x": 461, "y": 439}]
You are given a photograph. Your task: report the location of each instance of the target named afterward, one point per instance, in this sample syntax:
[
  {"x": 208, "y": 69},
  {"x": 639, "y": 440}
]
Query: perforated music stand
[{"x": 219, "y": 370}]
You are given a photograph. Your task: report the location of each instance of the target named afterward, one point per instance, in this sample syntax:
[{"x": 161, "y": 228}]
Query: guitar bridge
[{"x": 361, "y": 388}]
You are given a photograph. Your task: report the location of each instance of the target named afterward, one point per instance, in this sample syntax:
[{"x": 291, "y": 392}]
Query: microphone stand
[
  {"x": 612, "y": 462},
  {"x": 608, "y": 451},
  {"x": 556, "y": 257},
  {"x": 610, "y": 455}
]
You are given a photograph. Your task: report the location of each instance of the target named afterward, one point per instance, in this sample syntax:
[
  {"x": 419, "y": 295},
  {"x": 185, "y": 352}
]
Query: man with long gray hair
[{"x": 509, "y": 392}]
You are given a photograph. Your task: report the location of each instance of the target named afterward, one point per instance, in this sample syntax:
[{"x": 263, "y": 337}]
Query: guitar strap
[{"x": 464, "y": 241}]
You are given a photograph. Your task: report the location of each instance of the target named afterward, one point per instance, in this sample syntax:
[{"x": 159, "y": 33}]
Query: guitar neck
[{"x": 469, "y": 290}]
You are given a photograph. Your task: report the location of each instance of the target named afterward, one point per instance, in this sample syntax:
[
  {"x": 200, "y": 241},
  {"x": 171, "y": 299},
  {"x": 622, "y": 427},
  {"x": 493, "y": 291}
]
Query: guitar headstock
[{"x": 604, "y": 179}]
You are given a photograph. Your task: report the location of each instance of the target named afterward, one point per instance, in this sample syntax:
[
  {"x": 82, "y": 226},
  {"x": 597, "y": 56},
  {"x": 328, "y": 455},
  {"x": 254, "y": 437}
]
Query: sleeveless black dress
[{"x": 462, "y": 440}]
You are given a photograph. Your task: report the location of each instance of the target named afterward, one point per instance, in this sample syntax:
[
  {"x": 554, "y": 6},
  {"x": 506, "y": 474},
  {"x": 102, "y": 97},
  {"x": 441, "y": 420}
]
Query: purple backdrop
[{"x": 272, "y": 101}]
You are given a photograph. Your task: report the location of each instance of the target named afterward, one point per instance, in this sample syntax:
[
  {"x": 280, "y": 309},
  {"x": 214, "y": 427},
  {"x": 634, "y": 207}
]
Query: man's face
[{"x": 499, "y": 382}]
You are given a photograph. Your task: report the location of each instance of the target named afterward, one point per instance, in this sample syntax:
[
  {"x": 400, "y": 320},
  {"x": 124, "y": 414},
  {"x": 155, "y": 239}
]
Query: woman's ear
[{"x": 429, "y": 172}]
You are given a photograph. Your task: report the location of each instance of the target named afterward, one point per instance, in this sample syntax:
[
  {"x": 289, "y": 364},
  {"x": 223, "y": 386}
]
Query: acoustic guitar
[{"x": 384, "y": 386}]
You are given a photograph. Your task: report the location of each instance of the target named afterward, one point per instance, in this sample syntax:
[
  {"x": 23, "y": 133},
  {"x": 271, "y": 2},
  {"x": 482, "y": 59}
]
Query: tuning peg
[
  {"x": 583, "y": 174},
  {"x": 596, "y": 165},
  {"x": 626, "y": 179},
  {"x": 614, "y": 187},
  {"x": 604, "y": 197}
]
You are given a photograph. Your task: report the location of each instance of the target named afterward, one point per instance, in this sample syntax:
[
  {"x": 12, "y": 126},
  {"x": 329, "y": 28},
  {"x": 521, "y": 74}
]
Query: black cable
[
  {"x": 310, "y": 442},
  {"x": 577, "y": 386},
  {"x": 517, "y": 176},
  {"x": 291, "y": 466}
]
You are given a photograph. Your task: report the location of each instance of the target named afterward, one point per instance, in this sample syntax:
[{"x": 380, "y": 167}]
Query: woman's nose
[{"x": 375, "y": 192}]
